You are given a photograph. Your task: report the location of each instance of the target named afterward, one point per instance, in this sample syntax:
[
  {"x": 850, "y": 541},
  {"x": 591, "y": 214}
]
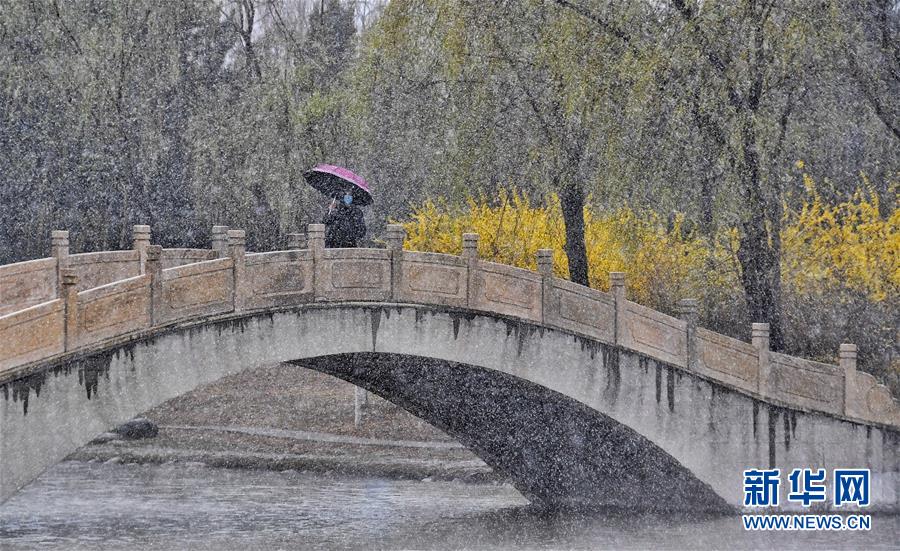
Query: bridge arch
[{"x": 574, "y": 422}]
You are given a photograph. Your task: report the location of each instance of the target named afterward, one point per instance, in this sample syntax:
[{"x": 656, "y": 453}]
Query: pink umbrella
[{"x": 334, "y": 181}]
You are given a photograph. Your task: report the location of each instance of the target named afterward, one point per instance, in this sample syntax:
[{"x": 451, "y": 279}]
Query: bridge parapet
[
  {"x": 32, "y": 334},
  {"x": 197, "y": 290},
  {"x": 726, "y": 359},
  {"x": 280, "y": 278},
  {"x": 28, "y": 283},
  {"x": 110, "y": 310},
  {"x": 104, "y": 267},
  {"x": 76, "y": 303},
  {"x": 32, "y": 282},
  {"x": 172, "y": 258},
  {"x": 654, "y": 333}
]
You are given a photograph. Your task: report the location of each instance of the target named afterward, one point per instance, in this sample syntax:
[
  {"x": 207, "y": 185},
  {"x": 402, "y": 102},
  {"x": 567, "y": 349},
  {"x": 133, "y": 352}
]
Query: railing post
[
  {"x": 140, "y": 239},
  {"x": 316, "y": 238},
  {"x": 847, "y": 358},
  {"x": 237, "y": 249},
  {"x": 545, "y": 268},
  {"x": 154, "y": 270},
  {"x": 69, "y": 296},
  {"x": 687, "y": 312},
  {"x": 394, "y": 237},
  {"x": 617, "y": 289},
  {"x": 59, "y": 249},
  {"x": 219, "y": 241},
  {"x": 315, "y": 234},
  {"x": 296, "y": 241},
  {"x": 760, "y": 337},
  {"x": 470, "y": 253}
]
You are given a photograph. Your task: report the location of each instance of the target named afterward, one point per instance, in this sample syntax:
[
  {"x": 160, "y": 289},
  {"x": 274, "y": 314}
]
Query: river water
[{"x": 79, "y": 505}]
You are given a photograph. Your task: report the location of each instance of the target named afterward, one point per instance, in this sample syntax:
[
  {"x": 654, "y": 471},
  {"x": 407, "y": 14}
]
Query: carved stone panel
[
  {"x": 433, "y": 279},
  {"x": 806, "y": 383},
  {"x": 583, "y": 310},
  {"x": 728, "y": 360},
  {"x": 25, "y": 284},
  {"x": 509, "y": 291},
  {"x": 354, "y": 274},
  {"x": 656, "y": 334},
  {"x": 114, "y": 309},
  {"x": 279, "y": 279},
  {"x": 32, "y": 334},
  {"x": 198, "y": 289}
]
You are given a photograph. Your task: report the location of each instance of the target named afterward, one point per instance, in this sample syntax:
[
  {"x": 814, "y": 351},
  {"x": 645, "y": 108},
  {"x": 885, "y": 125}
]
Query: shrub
[{"x": 840, "y": 263}]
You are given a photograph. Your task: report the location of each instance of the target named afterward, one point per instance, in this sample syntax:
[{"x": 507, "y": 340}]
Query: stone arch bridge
[{"x": 582, "y": 397}]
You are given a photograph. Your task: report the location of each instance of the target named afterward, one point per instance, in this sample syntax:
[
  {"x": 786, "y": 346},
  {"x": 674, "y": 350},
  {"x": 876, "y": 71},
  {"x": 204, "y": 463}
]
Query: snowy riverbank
[{"x": 289, "y": 418}]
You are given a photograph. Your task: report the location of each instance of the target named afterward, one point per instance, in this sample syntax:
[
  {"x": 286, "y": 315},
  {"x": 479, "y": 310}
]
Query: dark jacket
[{"x": 344, "y": 225}]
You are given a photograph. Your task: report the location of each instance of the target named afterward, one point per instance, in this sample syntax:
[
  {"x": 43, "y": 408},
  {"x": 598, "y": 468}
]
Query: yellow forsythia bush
[
  {"x": 847, "y": 244},
  {"x": 663, "y": 264},
  {"x": 840, "y": 264}
]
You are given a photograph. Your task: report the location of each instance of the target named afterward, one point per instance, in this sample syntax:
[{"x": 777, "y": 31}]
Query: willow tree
[
  {"x": 751, "y": 60},
  {"x": 505, "y": 93},
  {"x": 734, "y": 74}
]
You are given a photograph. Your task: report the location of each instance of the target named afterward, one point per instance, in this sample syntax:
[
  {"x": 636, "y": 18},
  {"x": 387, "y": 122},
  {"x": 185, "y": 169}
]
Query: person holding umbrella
[{"x": 344, "y": 224}]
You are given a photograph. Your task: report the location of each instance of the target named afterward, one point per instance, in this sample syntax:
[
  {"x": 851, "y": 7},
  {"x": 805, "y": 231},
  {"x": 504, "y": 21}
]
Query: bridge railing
[
  {"x": 726, "y": 359},
  {"x": 193, "y": 290},
  {"x": 25, "y": 284},
  {"x": 32, "y": 334},
  {"x": 147, "y": 288},
  {"x": 104, "y": 312},
  {"x": 172, "y": 258},
  {"x": 101, "y": 268}
]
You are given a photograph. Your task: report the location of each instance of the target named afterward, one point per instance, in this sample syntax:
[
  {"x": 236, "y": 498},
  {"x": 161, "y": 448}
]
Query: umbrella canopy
[{"x": 334, "y": 181}]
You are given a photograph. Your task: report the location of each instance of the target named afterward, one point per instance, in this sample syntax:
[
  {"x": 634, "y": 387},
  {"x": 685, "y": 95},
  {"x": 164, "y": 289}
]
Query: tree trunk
[
  {"x": 760, "y": 262},
  {"x": 759, "y": 276},
  {"x": 572, "y": 200}
]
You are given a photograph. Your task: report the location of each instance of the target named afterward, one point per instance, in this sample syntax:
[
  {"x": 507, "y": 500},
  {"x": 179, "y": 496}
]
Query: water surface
[{"x": 79, "y": 505}]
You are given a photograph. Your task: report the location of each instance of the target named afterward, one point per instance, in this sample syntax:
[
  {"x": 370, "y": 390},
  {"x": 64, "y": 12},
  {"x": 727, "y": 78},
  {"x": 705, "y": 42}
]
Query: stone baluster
[
  {"x": 296, "y": 241},
  {"x": 237, "y": 250},
  {"x": 394, "y": 237},
  {"x": 760, "y": 338},
  {"x": 153, "y": 267},
  {"x": 470, "y": 245},
  {"x": 545, "y": 268},
  {"x": 59, "y": 249},
  {"x": 316, "y": 238},
  {"x": 315, "y": 235},
  {"x": 847, "y": 358},
  {"x": 470, "y": 253},
  {"x": 688, "y": 313},
  {"x": 140, "y": 239},
  {"x": 219, "y": 241},
  {"x": 617, "y": 289},
  {"x": 69, "y": 296}
]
